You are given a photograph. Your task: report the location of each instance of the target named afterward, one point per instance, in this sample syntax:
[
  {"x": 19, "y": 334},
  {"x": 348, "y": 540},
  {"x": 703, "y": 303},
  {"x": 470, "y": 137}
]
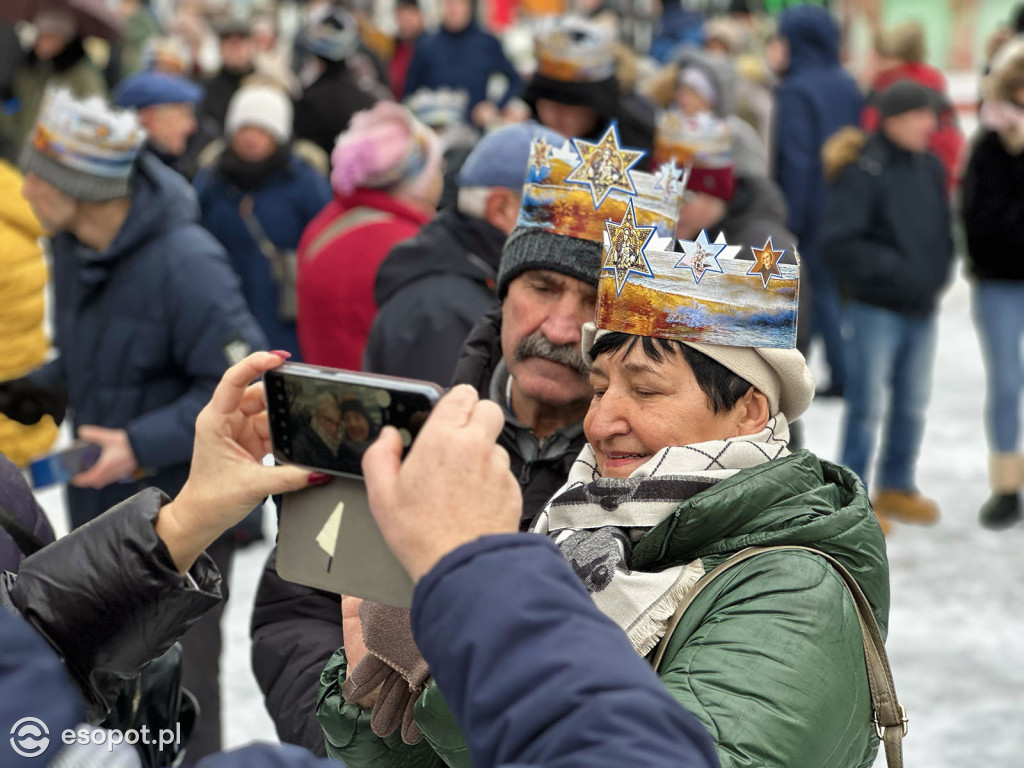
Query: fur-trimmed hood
[{"x": 841, "y": 149}]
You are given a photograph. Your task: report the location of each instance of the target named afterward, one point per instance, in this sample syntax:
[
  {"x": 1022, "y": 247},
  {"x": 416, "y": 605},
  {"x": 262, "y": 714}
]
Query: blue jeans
[
  {"x": 888, "y": 353},
  {"x": 826, "y": 318},
  {"x": 999, "y": 315}
]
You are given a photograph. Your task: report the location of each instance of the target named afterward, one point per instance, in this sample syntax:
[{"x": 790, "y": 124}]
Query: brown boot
[
  {"x": 906, "y": 507},
  {"x": 883, "y": 523}
]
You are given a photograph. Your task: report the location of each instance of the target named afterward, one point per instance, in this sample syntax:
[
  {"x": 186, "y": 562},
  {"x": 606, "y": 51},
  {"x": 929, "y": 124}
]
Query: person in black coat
[
  {"x": 333, "y": 92},
  {"x": 431, "y": 290},
  {"x": 237, "y": 51},
  {"x": 887, "y": 237},
  {"x": 993, "y": 210}
]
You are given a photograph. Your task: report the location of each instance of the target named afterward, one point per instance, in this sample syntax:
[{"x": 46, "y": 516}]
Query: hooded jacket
[
  {"x": 750, "y": 156},
  {"x": 432, "y": 290},
  {"x": 887, "y": 233},
  {"x": 145, "y": 331},
  {"x": 769, "y": 657},
  {"x": 814, "y": 100}
]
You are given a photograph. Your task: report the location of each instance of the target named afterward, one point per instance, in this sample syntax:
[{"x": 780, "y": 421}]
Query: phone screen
[
  {"x": 61, "y": 467},
  {"x": 327, "y": 425}
]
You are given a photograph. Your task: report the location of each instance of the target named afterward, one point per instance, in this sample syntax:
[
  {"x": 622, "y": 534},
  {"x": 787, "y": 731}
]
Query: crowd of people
[{"x": 624, "y": 258}]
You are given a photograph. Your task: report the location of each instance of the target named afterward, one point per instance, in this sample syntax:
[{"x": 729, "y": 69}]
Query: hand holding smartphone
[
  {"x": 61, "y": 466},
  {"x": 324, "y": 419}
]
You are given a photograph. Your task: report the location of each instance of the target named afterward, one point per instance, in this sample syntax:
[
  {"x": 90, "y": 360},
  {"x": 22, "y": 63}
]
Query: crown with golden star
[
  {"x": 571, "y": 49},
  {"x": 709, "y": 292},
  {"x": 576, "y": 188}
]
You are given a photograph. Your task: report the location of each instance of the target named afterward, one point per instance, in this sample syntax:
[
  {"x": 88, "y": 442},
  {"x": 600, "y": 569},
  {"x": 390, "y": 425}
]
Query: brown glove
[{"x": 392, "y": 662}]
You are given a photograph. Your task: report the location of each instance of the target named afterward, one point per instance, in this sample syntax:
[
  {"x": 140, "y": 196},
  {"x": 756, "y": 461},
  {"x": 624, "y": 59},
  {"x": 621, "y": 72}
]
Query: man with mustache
[{"x": 525, "y": 356}]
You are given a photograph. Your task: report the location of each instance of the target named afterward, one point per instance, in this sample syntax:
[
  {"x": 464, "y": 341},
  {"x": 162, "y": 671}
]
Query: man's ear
[
  {"x": 752, "y": 413},
  {"x": 502, "y": 209}
]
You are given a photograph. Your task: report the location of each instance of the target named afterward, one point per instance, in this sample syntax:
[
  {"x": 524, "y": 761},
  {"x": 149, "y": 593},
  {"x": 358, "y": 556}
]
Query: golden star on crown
[
  {"x": 604, "y": 166},
  {"x": 541, "y": 159},
  {"x": 625, "y": 254},
  {"x": 766, "y": 262}
]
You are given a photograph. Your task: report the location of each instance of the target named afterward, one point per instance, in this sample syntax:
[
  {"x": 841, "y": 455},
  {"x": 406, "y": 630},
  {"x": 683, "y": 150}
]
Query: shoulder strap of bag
[
  {"x": 890, "y": 717},
  {"x": 256, "y": 231},
  {"x": 352, "y": 218},
  {"x": 26, "y": 541}
]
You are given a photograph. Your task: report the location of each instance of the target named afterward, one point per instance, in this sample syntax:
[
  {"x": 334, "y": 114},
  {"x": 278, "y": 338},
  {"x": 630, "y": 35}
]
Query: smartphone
[
  {"x": 60, "y": 467},
  {"x": 324, "y": 418}
]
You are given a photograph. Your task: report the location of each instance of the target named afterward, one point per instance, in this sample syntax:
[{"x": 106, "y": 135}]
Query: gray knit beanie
[{"x": 528, "y": 249}]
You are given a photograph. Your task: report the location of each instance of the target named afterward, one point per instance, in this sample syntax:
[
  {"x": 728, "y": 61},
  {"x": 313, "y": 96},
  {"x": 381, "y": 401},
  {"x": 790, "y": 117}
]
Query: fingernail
[
  {"x": 282, "y": 353},
  {"x": 318, "y": 478}
]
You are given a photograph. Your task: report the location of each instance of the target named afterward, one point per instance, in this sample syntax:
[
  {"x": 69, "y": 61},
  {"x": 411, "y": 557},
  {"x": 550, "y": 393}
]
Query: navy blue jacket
[
  {"x": 540, "y": 690},
  {"x": 815, "y": 99},
  {"x": 145, "y": 331},
  {"x": 284, "y": 204},
  {"x": 887, "y": 235},
  {"x": 465, "y": 60}
]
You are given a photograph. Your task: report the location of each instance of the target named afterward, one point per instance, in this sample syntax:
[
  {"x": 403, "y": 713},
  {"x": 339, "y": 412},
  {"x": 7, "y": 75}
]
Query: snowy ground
[{"x": 956, "y": 640}]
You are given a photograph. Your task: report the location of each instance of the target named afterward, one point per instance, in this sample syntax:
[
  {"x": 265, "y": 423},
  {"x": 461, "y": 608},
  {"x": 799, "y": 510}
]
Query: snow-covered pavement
[{"x": 957, "y": 628}]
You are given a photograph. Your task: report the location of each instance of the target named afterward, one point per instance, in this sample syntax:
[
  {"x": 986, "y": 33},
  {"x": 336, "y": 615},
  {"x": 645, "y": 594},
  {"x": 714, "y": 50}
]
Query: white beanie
[
  {"x": 781, "y": 375},
  {"x": 262, "y": 106}
]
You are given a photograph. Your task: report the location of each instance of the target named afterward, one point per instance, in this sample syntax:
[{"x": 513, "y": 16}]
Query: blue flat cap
[
  {"x": 500, "y": 158},
  {"x": 144, "y": 89}
]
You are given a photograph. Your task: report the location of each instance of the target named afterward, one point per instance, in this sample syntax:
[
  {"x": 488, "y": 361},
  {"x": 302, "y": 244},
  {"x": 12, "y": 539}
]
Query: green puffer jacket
[{"x": 769, "y": 657}]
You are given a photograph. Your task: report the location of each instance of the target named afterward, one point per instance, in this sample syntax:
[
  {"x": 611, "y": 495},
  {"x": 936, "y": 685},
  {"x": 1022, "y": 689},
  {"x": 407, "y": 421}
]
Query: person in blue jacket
[
  {"x": 462, "y": 56},
  {"x": 540, "y": 691},
  {"x": 147, "y": 316},
  {"x": 814, "y": 99},
  {"x": 260, "y": 193}
]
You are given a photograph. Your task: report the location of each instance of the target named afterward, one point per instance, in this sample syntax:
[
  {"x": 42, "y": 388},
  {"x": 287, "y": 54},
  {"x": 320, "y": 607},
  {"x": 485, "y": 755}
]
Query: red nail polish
[
  {"x": 319, "y": 478},
  {"x": 281, "y": 353}
]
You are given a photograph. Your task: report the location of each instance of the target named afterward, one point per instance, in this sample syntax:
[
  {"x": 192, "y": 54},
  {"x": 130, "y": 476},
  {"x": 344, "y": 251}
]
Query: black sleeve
[
  {"x": 109, "y": 599},
  {"x": 295, "y": 630}
]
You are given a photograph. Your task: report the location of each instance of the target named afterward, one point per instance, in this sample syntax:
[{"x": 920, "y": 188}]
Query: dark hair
[{"x": 723, "y": 387}]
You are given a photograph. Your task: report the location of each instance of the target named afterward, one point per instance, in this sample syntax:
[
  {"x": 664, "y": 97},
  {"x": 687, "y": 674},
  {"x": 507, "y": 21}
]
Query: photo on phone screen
[{"x": 326, "y": 422}]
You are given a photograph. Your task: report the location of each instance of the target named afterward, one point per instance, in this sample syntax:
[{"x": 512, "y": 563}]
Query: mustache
[{"x": 569, "y": 355}]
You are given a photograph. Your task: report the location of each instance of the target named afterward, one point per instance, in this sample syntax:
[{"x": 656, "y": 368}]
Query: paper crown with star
[
  {"x": 711, "y": 293},
  {"x": 701, "y": 140},
  {"x": 571, "y": 49},
  {"x": 575, "y": 189}
]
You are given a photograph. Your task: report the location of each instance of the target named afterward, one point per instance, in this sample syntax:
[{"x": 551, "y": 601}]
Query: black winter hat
[
  {"x": 904, "y": 96},
  {"x": 528, "y": 249}
]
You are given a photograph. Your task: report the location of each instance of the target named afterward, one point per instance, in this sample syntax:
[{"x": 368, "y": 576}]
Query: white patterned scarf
[{"x": 596, "y": 521}]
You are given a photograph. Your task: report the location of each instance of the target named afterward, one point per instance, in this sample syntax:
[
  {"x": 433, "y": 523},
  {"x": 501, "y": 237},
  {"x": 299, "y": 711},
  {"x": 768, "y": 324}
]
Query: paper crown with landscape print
[
  {"x": 575, "y": 189},
  {"x": 571, "y": 49},
  {"x": 439, "y": 107},
  {"x": 701, "y": 139}
]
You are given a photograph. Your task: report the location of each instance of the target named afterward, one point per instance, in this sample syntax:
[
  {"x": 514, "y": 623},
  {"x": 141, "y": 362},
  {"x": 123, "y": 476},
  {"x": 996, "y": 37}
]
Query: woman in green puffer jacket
[{"x": 687, "y": 464}]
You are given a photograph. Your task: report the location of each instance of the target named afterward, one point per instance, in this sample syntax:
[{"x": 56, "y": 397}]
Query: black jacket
[
  {"x": 756, "y": 212},
  {"x": 431, "y": 291},
  {"x": 887, "y": 234},
  {"x": 296, "y": 629},
  {"x": 109, "y": 599},
  {"x": 327, "y": 106},
  {"x": 993, "y": 202},
  {"x": 219, "y": 90}
]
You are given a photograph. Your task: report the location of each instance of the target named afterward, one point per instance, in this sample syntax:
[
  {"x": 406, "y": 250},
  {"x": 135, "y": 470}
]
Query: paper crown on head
[
  {"x": 166, "y": 54},
  {"x": 576, "y": 188},
  {"x": 440, "y": 107},
  {"x": 84, "y": 137},
  {"x": 711, "y": 293},
  {"x": 702, "y": 143},
  {"x": 573, "y": 50}
]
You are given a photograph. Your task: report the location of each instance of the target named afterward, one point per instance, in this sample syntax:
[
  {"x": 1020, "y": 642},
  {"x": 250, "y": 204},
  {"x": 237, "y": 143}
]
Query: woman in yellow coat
[{"x": 22, "y": 305}]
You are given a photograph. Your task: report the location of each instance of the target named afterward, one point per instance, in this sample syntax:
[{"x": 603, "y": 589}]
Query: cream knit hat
[{"x": 781, "y": 375}]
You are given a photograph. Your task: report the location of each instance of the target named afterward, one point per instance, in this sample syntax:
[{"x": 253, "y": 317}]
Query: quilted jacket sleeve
[{"x": 770, "y": 659}]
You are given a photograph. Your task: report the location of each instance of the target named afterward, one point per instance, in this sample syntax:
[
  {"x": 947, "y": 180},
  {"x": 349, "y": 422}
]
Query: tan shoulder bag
[{"x": 889, "y": 715}]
